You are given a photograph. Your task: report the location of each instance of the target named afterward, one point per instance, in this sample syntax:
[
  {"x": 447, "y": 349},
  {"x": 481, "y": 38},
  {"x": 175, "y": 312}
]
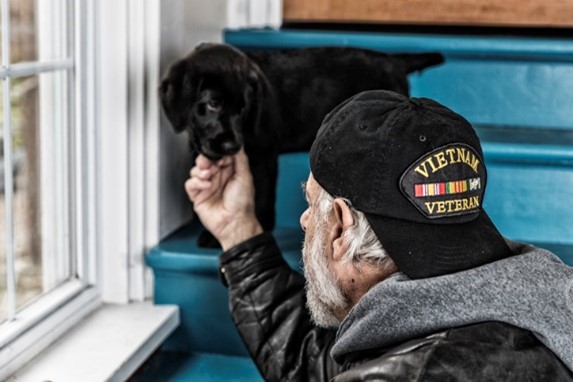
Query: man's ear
[{"x": 342, "y": 221}]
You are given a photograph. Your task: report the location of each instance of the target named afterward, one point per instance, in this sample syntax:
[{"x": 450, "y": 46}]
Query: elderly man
[{"x": 406, "y": 276}]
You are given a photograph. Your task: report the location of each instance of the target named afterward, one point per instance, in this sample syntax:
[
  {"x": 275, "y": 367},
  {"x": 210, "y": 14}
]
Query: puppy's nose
[{"x": 230, "y": 146}]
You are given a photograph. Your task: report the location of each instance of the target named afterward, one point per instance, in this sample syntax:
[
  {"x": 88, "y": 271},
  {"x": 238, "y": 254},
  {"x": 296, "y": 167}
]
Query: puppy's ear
[
  {"x": 259, "y": 82},
  {"x": 256, "y": 94},
  {"x": 251, "y": 91},
  {"x": 259, "y": 98},
  {"x": 175, "y": 93}
]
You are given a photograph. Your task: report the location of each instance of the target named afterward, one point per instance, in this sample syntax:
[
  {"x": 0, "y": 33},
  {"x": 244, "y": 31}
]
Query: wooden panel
[{"x": 516, "y": 13}]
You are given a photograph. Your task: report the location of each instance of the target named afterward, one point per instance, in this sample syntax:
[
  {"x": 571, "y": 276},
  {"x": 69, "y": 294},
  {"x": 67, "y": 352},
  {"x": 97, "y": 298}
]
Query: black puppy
[{"x": 271, "y": 101}]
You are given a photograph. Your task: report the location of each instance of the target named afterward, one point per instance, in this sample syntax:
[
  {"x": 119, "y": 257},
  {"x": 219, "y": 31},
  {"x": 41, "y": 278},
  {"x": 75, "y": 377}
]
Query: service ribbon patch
[
  {"x": 446, "y": 188},
  {"x": 446, "y": 182}
]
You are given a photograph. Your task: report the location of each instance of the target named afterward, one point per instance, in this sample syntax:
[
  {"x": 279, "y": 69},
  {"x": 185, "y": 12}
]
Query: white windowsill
[{"x": 110, "y": 344}]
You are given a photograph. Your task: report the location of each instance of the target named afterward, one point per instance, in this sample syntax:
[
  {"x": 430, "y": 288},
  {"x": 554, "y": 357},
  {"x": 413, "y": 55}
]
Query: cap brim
[{"x": 426, "y": 250}]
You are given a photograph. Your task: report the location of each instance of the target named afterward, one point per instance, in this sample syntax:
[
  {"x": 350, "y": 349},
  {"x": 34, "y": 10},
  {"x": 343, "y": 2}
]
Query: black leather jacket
[{"x": 267, "y": 301}]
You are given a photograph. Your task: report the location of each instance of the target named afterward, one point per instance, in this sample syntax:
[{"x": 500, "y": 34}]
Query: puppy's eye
[{"x": 214, "y": 106}]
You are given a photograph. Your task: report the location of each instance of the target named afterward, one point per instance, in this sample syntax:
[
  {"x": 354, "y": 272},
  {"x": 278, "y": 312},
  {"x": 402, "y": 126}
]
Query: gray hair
[{"x": 363, "y": 244}]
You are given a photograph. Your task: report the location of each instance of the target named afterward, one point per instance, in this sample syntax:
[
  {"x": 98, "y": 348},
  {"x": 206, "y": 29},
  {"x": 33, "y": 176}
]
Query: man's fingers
[
  {"x": 197, "y": 172},
  {"x": 204, "y": 167},
  {"x": 208, "y": 179},
  {"x": 198, "y": 190},
  {"x": 199, "y": 184},
  {"x": 203, "y": 162}
]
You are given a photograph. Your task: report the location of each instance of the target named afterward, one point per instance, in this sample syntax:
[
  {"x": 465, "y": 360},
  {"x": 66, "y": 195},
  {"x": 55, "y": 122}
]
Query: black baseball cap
[{"x": 415, "y": 168}]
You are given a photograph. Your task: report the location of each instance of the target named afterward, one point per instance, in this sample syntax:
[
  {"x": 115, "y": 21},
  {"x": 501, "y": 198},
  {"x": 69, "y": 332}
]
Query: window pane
[
  {"x": 3, "y": 297},
  {"x": 23, "y": 31},
  {"x": 41, "y": 196},
  {"x": 26, "y": 186},
  {"x": 38, "y": 30}
]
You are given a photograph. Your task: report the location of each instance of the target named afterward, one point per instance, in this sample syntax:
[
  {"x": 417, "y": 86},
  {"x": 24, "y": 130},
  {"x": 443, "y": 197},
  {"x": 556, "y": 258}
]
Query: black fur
[{"x": 272, "y": 101}]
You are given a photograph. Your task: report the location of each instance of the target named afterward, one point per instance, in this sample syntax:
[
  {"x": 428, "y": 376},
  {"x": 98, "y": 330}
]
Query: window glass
[
  {"x": 23, "y": 30},
  {"x": 35, "y": 254},
  {"x": 3, "y": 243},
  {"x": 26, "y": 203},
  {"x": 41, "y": 198}
]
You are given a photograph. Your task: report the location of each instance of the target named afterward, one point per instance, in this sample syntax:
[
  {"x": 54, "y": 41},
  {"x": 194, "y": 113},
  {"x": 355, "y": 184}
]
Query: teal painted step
[
  {"x": 530, "y": 178},
  {"x": 203, "y": 367},
  {"x": 188, "y": 276}
]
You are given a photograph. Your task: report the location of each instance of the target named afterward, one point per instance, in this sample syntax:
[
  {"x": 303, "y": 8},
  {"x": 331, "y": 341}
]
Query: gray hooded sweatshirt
[{"x": 532, "y": 290}]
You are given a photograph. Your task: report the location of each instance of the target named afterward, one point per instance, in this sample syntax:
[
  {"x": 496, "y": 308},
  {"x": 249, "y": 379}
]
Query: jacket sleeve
[{"x": 267, "y": 302}]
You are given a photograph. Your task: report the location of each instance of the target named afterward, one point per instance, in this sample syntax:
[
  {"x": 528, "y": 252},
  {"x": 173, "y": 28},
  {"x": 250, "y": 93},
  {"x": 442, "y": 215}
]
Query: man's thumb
[{"x": 242, "y": 163}]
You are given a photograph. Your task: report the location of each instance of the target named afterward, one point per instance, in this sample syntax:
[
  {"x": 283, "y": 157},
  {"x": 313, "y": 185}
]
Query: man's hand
[{"x": 222, "y": 193}]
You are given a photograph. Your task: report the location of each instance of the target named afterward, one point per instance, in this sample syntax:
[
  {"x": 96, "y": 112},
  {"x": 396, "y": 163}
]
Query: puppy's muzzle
[{"x": 220, "y": 147}]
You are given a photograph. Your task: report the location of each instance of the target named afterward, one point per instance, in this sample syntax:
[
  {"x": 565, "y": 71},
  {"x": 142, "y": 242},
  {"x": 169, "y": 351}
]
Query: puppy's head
[{"x": 210, "y": 93}]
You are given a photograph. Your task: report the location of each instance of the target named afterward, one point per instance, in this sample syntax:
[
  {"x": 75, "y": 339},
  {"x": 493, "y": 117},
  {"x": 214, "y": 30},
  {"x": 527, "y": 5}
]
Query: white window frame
[
  {"x": 116, "y": 69},
  {"x": 128, "y": 116},
  {"x": 29, "y": 331}
]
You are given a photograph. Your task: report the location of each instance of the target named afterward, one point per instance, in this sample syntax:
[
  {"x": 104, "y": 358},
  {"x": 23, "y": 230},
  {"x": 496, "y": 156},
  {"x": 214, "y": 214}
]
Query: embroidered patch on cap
[{"x": 448, "y": 181}]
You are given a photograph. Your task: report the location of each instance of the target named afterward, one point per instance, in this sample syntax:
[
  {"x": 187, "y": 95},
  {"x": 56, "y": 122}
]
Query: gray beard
[{"x": 323, "y": 293}]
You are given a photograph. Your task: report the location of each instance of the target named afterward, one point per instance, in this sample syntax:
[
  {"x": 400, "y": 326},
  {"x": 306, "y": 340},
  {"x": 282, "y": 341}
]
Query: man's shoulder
[{"x": 489, "y": 351}]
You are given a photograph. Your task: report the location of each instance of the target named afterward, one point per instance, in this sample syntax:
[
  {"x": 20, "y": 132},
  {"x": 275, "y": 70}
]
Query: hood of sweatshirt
[{"x": 532, "y": 290}]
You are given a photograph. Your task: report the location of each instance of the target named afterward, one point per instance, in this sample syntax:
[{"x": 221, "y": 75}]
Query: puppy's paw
[{"x": 207, "y": 240}]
